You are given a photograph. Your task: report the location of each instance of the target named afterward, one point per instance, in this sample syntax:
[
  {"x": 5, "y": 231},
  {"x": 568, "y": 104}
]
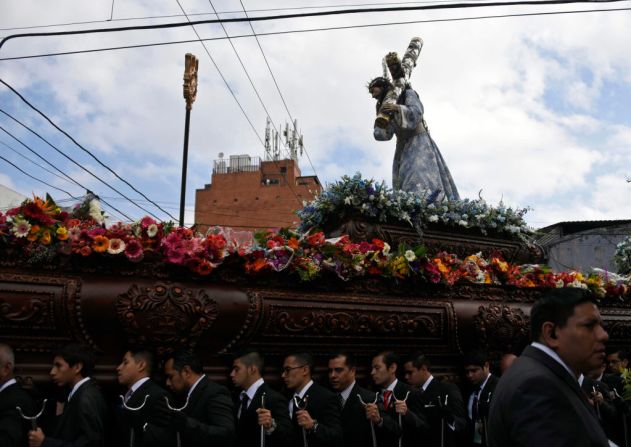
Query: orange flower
[
  {"x": 100, "y": 244},
  {"x": 32, "y": 236},
  {"x": 62, "y": 233},
  {"x": 293, "y": 243},
  {"x": 46, "y": 238},
  {"x": 73, "y": 223}
]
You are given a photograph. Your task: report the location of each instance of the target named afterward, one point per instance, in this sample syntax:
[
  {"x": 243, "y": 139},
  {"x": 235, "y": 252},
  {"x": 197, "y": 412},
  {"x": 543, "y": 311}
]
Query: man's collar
[
  {"x": 391, "y": 386},
  {"x": 252, "y": 389},
  {"x": 7, "y": 384},
  {"x": 76, "y": 387},
  {"x": 190, "y": 391},
  {"x": 301, "y": 393},
  {"x": 427, "y": 382},
  {"x": 138, "y": 383},
  {"x": 346, "y": 392},
  {"x": 554, "y": 355}
]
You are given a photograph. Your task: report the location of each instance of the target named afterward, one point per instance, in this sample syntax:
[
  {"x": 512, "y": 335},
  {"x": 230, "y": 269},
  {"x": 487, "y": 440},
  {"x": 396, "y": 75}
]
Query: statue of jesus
[{"x": 418, "y": 165}]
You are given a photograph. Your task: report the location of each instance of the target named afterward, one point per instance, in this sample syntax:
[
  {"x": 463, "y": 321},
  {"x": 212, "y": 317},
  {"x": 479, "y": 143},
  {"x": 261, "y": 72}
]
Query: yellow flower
[
  {"x": 62, "y": 233},
  {"x": 46, "y": 237},
  {"x": 32, "y": 236}
]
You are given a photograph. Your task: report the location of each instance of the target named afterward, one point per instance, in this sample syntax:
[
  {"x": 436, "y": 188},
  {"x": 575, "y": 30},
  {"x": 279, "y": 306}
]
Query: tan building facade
[{"x": 248, "y": 194}]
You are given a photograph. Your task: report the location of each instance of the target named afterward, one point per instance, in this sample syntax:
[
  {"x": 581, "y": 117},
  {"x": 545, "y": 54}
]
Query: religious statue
[{"x": 418, "y": 165}]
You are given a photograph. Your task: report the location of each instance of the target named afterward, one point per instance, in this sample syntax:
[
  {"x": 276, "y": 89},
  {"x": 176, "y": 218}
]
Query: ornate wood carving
[
  {"x": 501, "y": 329},
  {"x": 40, "y": 312},
  {"x": 165, "y": 316}
]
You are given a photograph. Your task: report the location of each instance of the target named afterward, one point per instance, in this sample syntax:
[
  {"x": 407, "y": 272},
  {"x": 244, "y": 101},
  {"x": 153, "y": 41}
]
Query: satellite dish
[{"x": 220, "y": 154}]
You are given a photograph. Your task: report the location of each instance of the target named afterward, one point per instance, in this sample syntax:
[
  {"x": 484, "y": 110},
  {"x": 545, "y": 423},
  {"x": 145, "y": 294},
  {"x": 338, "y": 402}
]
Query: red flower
[
  {"x": 316, "y": 239},
  {"x": 133, "y": 250}
]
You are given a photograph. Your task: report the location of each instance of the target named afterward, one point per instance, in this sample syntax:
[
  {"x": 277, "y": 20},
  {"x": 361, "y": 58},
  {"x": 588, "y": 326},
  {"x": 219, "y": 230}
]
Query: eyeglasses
[
  {"x": 613, "y": 362},
  {"x": 288, "y": 369}
]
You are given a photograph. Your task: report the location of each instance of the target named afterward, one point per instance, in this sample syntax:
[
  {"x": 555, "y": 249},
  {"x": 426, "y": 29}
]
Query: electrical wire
[
  {"x": 311, "y": 30},
  {"x": 37, "y": 179},
  {"x": 76, "y": 163},
  {"x": 34, "y": 162},
  {"x": 305, "y": 15},
  {"x": 275, "y": 83},
  {"x": 60, "y": 171},
  {"x": 84, "y": 149}
]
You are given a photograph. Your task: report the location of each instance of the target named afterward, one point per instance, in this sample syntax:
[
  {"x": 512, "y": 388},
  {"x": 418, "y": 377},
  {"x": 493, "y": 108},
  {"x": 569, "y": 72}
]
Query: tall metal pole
[{"x": 190, "y": 92}]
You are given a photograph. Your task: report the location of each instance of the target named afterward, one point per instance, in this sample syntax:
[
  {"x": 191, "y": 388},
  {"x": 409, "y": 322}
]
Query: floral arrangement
[
  {"x": 374, "y": 201},
  {"x": 622, "y": 257},
  {"x": 38, "y": 232}
]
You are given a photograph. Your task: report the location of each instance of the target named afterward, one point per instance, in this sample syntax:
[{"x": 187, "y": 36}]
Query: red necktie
[{"x": 386, "y": 399}]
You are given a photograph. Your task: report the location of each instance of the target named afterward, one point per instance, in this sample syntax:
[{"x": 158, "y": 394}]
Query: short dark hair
[
  {"x": 249, "y": 358},
  {"x": 380, "y": 81},
  {"x": 623, "y": 354},
  {"x": 143, "y": 354},
  {"x": 476, "y": 357},
  {"x": 74, "y": 353},
  {"x": 419, "y": 360},
  {"x": 186, "y": 357},
  {"x": 389, "y": 358},
  {"x": 304, "y": 358},
  {"x": 349, "y": 359},
  {"x": 556, "y": 306}
]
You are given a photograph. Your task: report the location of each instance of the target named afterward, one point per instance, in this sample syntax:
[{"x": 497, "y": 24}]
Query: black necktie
[
  {"x": 474, "y": 405},
  {"x": 244, "y": 405},
  {"x": 342, "y": 400}
]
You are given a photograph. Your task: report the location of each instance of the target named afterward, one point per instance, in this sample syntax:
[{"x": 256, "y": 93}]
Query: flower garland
[
  {"x": 355, "y": 195},
  {"x": 39, "y": 232}
]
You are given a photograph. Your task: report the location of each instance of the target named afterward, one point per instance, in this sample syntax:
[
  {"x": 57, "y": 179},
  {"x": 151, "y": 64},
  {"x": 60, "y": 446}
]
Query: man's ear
[
  {"x": 78, "y": 368},
  {"x": 549, "y": 334}
]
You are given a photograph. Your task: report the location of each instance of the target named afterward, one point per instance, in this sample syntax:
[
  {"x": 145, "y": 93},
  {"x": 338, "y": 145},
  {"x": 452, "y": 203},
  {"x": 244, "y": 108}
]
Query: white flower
[
  {"x": 409, "y": 255},
  {"x": 462, "y": 223},
  {"x": 21, "y": 228},
  {"x": 152, "y": 230},
  {"x": 559, "y": 284},
  {"x": 386, "y": 249},
  {"x": 95, "y": 211},
  {"x": 348, "y": 200},
  {"x": 116, "y": 246},
  {"x": 371, "y": 197},
  {"x": 433, "y": 218}
]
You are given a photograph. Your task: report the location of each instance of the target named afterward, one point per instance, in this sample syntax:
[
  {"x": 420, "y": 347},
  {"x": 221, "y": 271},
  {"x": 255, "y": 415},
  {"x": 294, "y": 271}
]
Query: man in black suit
[
  {"x": 478, "y": 373},
  {"x": 258, "y": 405},
  {"x": 314, "y": 410},
  {"x": 538, "y": 402},
  {"x": 355, "y": 424},
  {"x": 13, "y": 429},
  {"x": 442, "y": 402},
  {"x": 141, "y": 417},
  {"x": 207, "y": 418},
  {"x": 400, "y": 412},
  {"x": 608, "y": 408},
  {"x": 617, "y": 361},
  {"x": 82, "y": 421}
]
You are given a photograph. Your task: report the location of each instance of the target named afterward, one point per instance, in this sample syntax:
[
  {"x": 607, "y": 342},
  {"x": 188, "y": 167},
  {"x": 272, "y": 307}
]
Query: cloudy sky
[{"x": 530, "y": 110}]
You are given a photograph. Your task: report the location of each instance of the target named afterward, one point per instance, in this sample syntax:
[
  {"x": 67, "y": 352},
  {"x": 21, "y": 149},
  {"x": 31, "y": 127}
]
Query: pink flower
[
  {"x": 133, "y": 250},
  {"x": 146, "y": 221}
]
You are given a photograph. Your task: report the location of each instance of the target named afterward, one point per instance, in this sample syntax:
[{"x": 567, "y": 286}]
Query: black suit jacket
[
  {"x": 83, "y": 421},
  {"x": 538, "y": 403},
  {"x": 324, "y": 406},
  {"x": 148, "y": 424},
  {"x": 433, "y": 400},
  {"x": 414, "y": 423},
  {"x": 209, "y": 417},
  {"x": 13, "y": 429},
  {"x": 248, "y": 429},
  {"x": 484, "y": 404},
  {"x": 355, "y": 425},
  {"x": 610, "y": 412}
]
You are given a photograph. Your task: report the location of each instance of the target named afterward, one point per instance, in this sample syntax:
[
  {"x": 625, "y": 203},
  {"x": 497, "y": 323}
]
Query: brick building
[{"x": 246, "y": 193}]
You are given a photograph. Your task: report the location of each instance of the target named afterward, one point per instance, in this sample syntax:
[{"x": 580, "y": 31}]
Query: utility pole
[{"x": 190, "y": 92}]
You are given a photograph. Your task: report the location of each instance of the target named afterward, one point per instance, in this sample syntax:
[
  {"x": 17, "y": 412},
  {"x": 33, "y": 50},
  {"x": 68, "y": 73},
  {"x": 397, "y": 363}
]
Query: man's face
[
  {"x": 240, "y": 375},
  {"x": 175, "y": 380},
  {"x": 6, "y": 370},
  {"x": 375, "y": 92},
  {"x": 340, "y": 375},
  {"x": 581, "y": 342},
  {"x": 476, "y": 374},
  {"x": 129, "y": 371},
  {"x": 615, "y": 363},
  {"x": 415, "y": 377},
  {"x": 382, "y": 375},
  {"x": 295, "y": 374},
  {"x": 62, "y": 373}
]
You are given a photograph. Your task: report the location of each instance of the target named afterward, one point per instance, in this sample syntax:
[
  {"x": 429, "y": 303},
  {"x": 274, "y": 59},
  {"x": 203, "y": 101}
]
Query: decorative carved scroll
[
  {"x": 165, "y": 316},
  {"x": 501, "y": 329},
  {"x": 40, "y": 312}
]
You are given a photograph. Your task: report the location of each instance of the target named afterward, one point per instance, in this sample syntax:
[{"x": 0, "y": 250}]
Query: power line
[
  {"x": 34, "y": 162},
  {"x": 310, "y": 30},
  {"x": 304, "y": 15},
  {"x": 59, "y": 170},
  {"x": 37, "y": 179},
  {"x": 291, "y": 118},
  {"x": 87, "y": 151},
  {"x": 171, "y": 16},
  {"x": 231, "y": 92},
  {"x": 75, "y": 162}
]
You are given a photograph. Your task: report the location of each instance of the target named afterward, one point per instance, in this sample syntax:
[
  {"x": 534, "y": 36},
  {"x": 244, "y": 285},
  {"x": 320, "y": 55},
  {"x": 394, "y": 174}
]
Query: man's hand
[
  {"x": 265, "y": 418},
  {"x": 401, "y": 407},
  {"x": 390, "y": 108},
  {"x": 304, "y": 419},
  {"x": 372, "y": 413},
  {"x": 35, "y": 437}
]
